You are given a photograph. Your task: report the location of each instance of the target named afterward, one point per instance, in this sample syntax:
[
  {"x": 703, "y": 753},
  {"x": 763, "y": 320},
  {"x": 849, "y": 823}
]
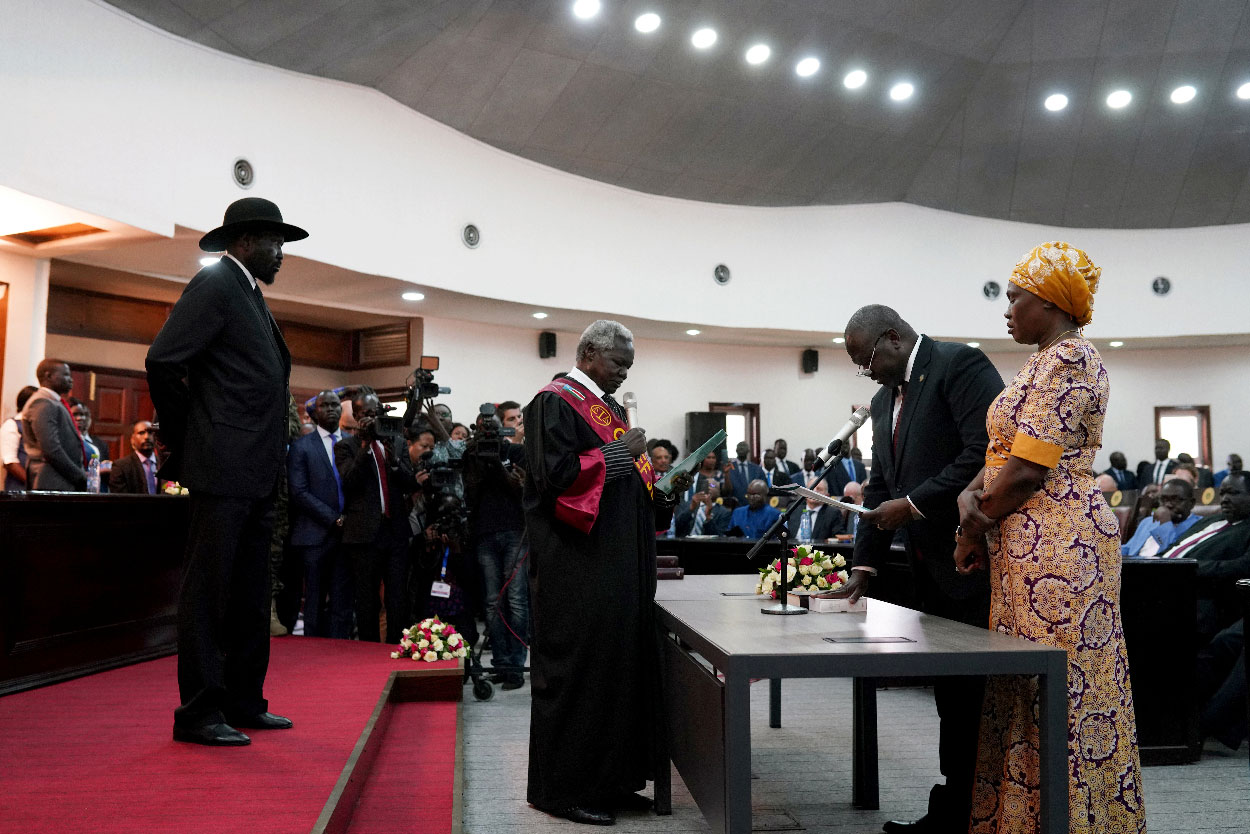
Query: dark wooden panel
[
  {"x": 320, "y": 347},
  {"x": 73, "y": 312},
  {"x": 87, "y": 582}
]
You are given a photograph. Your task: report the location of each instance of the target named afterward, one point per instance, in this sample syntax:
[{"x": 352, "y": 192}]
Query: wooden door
[{"x": 117, "y": 398}]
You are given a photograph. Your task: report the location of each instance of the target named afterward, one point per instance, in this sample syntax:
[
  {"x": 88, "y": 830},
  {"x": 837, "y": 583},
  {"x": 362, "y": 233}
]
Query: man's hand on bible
[
  {"x": 856, "y": 586},
  {"x": 635, "y": 441},
  {"x": 681, "y": 483}
]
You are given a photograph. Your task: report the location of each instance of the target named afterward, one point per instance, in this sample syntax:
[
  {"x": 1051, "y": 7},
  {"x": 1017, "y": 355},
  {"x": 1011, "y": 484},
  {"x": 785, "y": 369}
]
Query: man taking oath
[
  {"x": 592, "y": 513},
  {"x": 928, "y": 441}
]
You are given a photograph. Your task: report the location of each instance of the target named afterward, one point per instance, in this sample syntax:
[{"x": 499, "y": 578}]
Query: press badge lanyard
[{"x": 441, "y": 588}]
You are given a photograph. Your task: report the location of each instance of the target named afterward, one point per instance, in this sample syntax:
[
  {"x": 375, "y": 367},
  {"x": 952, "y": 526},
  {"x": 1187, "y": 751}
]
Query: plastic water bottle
[
  {"x": 93, "y": 473},
  {"x": 805, "y": 527}
]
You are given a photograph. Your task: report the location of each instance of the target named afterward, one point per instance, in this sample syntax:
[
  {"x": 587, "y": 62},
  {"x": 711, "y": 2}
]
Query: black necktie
[{"x": 615, "y": 406}]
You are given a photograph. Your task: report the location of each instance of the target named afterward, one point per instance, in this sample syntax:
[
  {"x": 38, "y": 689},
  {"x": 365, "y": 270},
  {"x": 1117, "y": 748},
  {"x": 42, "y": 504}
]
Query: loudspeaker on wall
[
  {"x": 809, "y": 361},
  {"x": 546, "y": 344}
]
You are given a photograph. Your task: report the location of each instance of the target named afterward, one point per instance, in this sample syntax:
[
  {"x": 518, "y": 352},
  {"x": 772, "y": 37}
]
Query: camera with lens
[
  {"x": 421, "y": 387},
  {"x": 488, "y": 443}
]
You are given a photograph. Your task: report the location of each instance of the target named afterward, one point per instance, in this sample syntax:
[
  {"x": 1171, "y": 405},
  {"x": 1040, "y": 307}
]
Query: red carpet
[{"x": 96, "y": 754}]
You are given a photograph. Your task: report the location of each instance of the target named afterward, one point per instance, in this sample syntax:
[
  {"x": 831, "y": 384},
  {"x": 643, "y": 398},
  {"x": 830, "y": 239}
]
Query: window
[
  {"x": 742, "y": 422},
  {"x": 1187, "y": 428}
]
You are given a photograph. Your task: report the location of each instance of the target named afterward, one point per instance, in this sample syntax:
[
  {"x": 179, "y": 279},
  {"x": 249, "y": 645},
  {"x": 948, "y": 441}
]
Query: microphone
[
  {"x": 835, "y": 445},
  {"x": 630, "y": 403}
]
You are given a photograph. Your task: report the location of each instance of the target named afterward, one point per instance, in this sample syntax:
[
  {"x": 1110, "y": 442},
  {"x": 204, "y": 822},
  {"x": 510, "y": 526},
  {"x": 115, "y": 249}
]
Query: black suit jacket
[
  {"x": 1125, "y": 481},
  {"x": 362, "y": 513},
  {"x": 128, "y": 476},
  {"x": 1145, "y": 470},
  {"x": 53, "y": 449},
  {"x": 717, "y": 525},
  {"x": 829, "y": 523},
  {"x": 1222, "y": 560},
  {"x": 941, "y": 447},
  {"x": 218, "y": 373},
  {"x": 837, "y": 479}
]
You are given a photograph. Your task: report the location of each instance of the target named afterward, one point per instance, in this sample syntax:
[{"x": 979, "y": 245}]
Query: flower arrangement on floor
[
  {"x": 809, "y": 571},
  {"x": 431, "y": 640}
]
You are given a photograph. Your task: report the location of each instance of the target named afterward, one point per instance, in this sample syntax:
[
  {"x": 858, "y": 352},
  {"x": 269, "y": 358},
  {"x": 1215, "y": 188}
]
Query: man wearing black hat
[{"x": 218, "y": 373}]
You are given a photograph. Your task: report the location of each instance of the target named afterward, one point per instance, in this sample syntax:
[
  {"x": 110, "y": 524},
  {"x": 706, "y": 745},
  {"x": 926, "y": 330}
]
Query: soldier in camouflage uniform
[{"x": 281, "y": 523}]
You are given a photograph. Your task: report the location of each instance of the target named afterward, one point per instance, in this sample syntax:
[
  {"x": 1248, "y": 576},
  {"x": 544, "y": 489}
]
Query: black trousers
[
  {"x": 959, "y": 703},
  {"x": 223, "y": 609},
  {"x": 384, "y": 562}
]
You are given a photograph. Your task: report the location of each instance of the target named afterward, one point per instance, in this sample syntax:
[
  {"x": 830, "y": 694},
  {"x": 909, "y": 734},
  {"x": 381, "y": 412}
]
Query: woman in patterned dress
[{"x": 1035, "y": 518}]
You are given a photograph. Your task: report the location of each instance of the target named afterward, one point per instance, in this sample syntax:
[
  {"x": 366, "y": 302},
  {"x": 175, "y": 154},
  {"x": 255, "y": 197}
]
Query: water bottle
[
  {"x": 93, "y": 473},
  {"x": 805, "y": 527}
]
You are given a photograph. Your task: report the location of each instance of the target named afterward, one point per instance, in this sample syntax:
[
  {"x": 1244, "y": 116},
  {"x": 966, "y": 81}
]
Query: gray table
[{"x": 708, "y": 715}]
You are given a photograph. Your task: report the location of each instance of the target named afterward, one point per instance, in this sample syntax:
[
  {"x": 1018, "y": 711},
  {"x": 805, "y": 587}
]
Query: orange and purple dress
[{"x": 1055, "y": 579}]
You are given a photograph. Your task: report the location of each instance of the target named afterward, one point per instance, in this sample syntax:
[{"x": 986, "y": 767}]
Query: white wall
[
  {"x": 25, "y": 326},
  {"x": 108, "y": 115}
]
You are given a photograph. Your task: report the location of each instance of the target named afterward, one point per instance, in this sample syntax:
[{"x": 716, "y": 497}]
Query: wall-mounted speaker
[
  {"x": 809, "y": 361},
  {"x": 546, "y": 344}
]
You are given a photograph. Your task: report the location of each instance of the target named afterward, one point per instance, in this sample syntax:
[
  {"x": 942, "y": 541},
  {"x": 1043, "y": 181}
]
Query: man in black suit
[
  {"x": 929, "y": 439},
  {"x": 218, "y": 372},
  {"x": 1124, "y": 479},
  {"x": 136, "y": 472},
  {"x": 850, "y": 468},
  {"x": 56, "y": 459},
  {"x": 826, "y": 521},
  {"x": 780, "y": 450},
  {"x": 376, "y": 532},
  {"x": 1153, "y": 471}
]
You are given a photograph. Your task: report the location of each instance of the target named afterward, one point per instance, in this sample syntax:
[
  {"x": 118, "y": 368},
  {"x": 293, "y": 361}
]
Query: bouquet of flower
[
  {"x": 431, "y": 640},
  {"x": 808, "y": 571},
  {"x": 174, "y": 488}
]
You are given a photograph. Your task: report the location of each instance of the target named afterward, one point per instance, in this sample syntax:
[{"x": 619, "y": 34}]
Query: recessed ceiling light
[
  {"x": 1243, "y": 92},
  {"x": 540, "y": 315},
  {"x": 759, "y": 53},
  {"x": 703, "y": 38},
  {"x": 1183, "y": 95},
  {"x": 902, "y": 91},
  {"x": 1116, "y": 344},
  {"x": 413, "y": 296},
  {"x": 1056, "y": 102},
  {"x": 1118, "y": 99},
  {"x": 586, "y": 9},
  {"x": 837, "y": 340},
  {"x": 855, "y": 79},
  {"x": 807, "y": 67},
  {"x": 693, "y": 332},
  {"x": 974, "y": 344},
  {"x": 210, "y": 260},
  {"x": 648, "y": 22}
]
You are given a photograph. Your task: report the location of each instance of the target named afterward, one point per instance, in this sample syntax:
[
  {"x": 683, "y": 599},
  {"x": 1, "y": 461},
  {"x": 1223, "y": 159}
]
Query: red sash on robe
[{"x": 578, "y": 506}]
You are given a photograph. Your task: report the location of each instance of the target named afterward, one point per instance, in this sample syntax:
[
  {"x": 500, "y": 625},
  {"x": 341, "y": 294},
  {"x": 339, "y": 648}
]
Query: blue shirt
[
  {"x": 754, "y": 523},
  {"x": 1163, "y": 532}
]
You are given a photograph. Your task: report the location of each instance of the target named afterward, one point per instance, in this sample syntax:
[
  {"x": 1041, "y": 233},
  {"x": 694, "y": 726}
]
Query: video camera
[
  {"x": 419, "y": 386},
  {"x": 487, "y": 443}
]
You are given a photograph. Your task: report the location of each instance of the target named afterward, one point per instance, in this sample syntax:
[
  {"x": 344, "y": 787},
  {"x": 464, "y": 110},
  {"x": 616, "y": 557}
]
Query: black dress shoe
[
  {"x": 585, "y": 816},
  {"x": 264, "y": 721},
  {"x": 212, "y": 735}
]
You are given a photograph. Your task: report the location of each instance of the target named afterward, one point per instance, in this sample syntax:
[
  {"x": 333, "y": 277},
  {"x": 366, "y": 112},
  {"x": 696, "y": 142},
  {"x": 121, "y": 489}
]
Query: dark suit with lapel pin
[
  {"x": 939, "y": 449},
  {"x": 315, "y": 507}
]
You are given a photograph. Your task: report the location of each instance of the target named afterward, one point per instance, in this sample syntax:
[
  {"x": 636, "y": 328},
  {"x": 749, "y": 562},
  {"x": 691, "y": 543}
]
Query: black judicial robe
[{"x": 595, "y": 653}]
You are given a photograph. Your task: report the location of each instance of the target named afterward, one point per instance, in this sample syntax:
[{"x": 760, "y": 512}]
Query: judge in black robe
[{"x": 595, "y": 652}]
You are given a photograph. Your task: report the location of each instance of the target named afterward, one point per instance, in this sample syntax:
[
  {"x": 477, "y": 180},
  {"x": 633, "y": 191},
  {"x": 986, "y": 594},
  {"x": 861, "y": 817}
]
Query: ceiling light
[
  {"x": 1243, "y": 92},
  {"x": 1116, "y": 344},
  {"x": 837, "y": 340},
  {"x": 902, "y": 91},
  {"x": 413, "y": 296},
  {"x": 540, "y": 315},
  {"x": 759, "y": 53},
  {"x": 855, "y": 79},
  {"x": 1056, "y": 102},
  {"x": 1183, "y": 95},
  {"x": 974, "y": 344},
  {"x": 586, "y": 9},
  {"x": 807, "y": 67},
  {"x": 210, "y": 260},
  {"x": 693, "y": 332},
  {"x": 703, "y": 38},
  {"x": 1120, "y": 98},
  {"x": 648, "y": 22}
]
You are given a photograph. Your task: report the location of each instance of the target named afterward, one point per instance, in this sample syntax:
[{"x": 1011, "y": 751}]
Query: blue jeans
[{"x": 499, "y": 555}]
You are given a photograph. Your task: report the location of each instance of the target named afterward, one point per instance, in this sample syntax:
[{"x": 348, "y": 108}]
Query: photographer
[{"x": 493, "y": 480}]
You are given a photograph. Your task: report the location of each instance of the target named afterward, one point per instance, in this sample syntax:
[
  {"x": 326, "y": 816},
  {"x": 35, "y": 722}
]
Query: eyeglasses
[{"x": 866, "y": 370}]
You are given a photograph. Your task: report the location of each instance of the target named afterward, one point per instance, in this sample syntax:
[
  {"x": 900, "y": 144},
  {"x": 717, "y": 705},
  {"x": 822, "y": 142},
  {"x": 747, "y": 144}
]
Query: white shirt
[
  {"x": 327, "y": 441},
  {"x": 898, "y": 401},
  {"x": 586, "y": 381},
  {"x": 9, "y": 440},
  {"x": 250, "y": 279}
]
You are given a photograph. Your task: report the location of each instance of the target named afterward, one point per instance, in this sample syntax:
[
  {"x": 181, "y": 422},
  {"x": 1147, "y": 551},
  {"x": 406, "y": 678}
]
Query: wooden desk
[{"x": 708, "y": 714}]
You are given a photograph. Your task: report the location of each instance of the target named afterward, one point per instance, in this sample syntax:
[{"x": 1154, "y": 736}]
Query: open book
[{"x": 690, "y": 463}]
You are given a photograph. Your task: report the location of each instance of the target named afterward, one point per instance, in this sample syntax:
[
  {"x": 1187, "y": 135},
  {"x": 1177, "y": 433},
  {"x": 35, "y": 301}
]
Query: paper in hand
[
  {"x": 689, "y": 464},
  {"x": 825, "y": 499}
]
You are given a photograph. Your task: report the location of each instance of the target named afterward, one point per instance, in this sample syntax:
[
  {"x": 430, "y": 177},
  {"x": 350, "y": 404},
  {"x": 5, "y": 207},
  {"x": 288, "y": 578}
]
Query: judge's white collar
[{"x": 591, "y": 386}]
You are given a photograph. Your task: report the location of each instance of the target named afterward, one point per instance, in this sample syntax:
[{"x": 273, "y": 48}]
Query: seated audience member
[
  {"x": 663, "y": 455},
  {"x": 1232, "y": 465},
  {"x": 1204, "y": 476},
  {"x": 1221, "y": 687},
  {"x": 774, "y": 473},
  {"x": 780, "y": 449},
  {"x": 740, "y": 472},
  {"x": 826, "y": 521},
  {"x": 12, "y": 451},
  {"x": 708, "y": 473},
  {"x": 852, "y": 494},
  {"x": 809, "y": 475},
  {"x": 1221, "y": 546},
  {"x": 702, "y": 516},
  {"x": 375, "y": 522},
  {"x": 1106, "y": 483},
  {"x": 1184, "y": 470},
  {"x": 756, "y": 517},
  {"x": 850, "y": 469},
  {"x": 1153, "y": 471},
  {"x": 316, "y": 508},
  {"x": 56, "y": 458},
  {"x": 1124, "y": 479},
  {"x": 1171, "y": 520},
  {"x": 94, "y": 446},
  {"x": 135, "y": 474}
]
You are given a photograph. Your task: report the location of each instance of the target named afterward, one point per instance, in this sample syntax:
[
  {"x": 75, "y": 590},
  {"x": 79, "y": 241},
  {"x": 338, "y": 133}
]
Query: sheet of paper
[{"x": 832, "y": 502}]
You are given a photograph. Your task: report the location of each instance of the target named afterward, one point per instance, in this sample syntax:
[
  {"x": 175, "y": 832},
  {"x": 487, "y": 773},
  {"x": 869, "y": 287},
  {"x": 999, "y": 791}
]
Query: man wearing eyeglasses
[{"x": 928, "y": 442}]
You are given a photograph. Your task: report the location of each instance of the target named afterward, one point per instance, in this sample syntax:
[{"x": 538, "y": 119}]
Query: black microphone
[{"x": 835, "y": 445}]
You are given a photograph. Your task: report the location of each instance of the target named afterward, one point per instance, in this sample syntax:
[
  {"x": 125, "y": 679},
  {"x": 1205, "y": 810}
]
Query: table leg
[
  {"x": 1053, "y": 731},
  {"x": 865, "y": 788},
  {"x": 774, "y": 702},
  {"x": 737, "y": 754}
]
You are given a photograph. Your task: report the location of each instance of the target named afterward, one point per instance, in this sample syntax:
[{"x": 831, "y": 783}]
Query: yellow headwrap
[{"x": 1061, "y": 274}]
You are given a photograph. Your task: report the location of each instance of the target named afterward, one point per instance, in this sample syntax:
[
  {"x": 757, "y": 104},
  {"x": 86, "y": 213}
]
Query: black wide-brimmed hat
[{"x": 247, "y": 214}]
